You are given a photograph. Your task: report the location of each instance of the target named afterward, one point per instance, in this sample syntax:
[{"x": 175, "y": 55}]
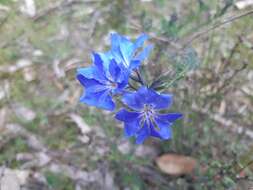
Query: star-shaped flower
[
  {"x": 146, "y": 118},
  {"x": 102, "y": 81},
  {"x": 127, "y": 52}
]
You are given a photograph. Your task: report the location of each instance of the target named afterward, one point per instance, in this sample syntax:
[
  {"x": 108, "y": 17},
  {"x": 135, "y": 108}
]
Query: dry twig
[
  {"x": 59, "y": 4},
  {"x": 218, "y": 24},
  {"x": 231, "y": 125}
]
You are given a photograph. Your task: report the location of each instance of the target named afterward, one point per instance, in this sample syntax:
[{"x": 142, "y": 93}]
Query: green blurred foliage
[{"x": 59, "y": 181}]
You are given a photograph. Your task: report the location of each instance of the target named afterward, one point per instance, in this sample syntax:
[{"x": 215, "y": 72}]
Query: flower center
[
  {"x": 113, "y": 85},
  {"x": 148, "y": 111}
]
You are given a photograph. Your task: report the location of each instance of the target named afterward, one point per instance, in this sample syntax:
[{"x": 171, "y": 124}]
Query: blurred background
[{"x": 48, "y": 140}]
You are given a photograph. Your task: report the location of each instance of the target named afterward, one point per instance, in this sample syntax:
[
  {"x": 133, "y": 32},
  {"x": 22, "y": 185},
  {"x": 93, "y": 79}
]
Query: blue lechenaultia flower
[
  {"x": 127, "y": 52},
  {"x": 101, "y": 82},
  {"x": 146, "y": 118}
]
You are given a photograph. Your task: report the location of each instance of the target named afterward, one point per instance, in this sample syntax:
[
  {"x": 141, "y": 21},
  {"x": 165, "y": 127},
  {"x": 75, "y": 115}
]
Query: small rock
[
  {"x": 4, "y": 8},
  {"x": 109, "y": 181},
  {"x": 9, "y": 181},
  {"x": 78, "y": 187},
  {"x": 43, "y": 159},
  {"x": 3, "y": 114},
  {"x": 14, "y": 128},
  {"x": 29, "y": 74},
  {"x": 22, "y": 176},
  {"x": 28, "y": 8},
  {"x": 22, "y": 63},
  {"x": 124, "y": 147},
  {"x": 80, "y": 123},
  {"x": 37, "y": 53},
  {"x": 243, "y": 4},
  {"x": 4, "y": 89},
  {"x": 25, "y": 113},
  {"x": 2, "y": 93},
  {"x": 222, "y": 108},
  {"x": 24, "y": 157},
  {"x": 84, "y": 139}
]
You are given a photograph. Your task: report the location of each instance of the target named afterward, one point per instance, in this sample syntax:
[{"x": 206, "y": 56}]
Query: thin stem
[
  {"x": 217, "y": 25},
  {"x": 194, "y": 37},
  {"x": 139, "y": 77},
  {"x": 131, "y": 86},
  {"x": 244, "y": 167},
  {"x": 175, "y": 79},
  {"x": 200, "y": 34},
  {"x": 135, "y": 79}
]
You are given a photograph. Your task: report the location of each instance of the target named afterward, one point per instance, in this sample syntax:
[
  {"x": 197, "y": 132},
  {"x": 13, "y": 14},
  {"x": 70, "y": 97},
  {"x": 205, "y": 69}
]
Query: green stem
[{"x": 179, "y": 76}]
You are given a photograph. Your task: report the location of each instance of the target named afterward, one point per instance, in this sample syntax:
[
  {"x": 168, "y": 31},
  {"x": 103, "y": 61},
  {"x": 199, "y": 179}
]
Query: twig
[
  {"x": 231, "y": 125},
  {"x": 228, "y": 80},
  {"x": 131, "y": 86},
  {"x": 134, "y": 79},
  {"x": 139, "y": 77},
  {"x": 194, "y": 36},
  {"x": 245, "y": 166},
  {"x": 163, "y": 39},
  {"x": 58, "y": 5},
  {"x": 215, "y": 26}
]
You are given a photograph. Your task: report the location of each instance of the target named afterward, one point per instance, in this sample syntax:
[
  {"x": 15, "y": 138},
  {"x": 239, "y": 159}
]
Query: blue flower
[
  {"x": 101, "y": 82},
  {"x": 126, "y": 52},
  {"x": 146, "y": 118}
]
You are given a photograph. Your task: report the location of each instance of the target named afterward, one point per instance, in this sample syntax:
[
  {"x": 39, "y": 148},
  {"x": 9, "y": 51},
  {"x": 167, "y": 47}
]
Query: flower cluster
[{"x": 107, "y": 81}]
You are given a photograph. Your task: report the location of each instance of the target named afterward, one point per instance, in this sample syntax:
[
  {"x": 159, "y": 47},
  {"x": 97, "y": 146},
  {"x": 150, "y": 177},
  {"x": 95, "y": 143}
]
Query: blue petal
[
  {"x": 115, "y": 70},
  {"x": 96, "y": 88},
  {"x": 121, "y": 48},
  {"x": 124, "y": 74},
  {"x": 87, "y": 72},
  {"x": 122, "y": 85},
  {"x": 149, "y": 96},
  {"x": 106, "y": 58},
  {"x": 100, "y": 99},
  {"x": 145, "y": 95},
  {"x": 102, "y": 62},
  {"x": 162, "y": 130},
  {"x": 134, "y": 64},
  {"x": 162, "y": 101},
  {"x": 126, "y": 49},
  {"x": 117, "y": 55},
  {"x": 124, "y": 115},
  {"x": 145, "y": 53},
  {"x": 86, "y": 82},
  {"x": 140, "y": 40},
  {"x": 169, "y": 117},
  {"x": 142, "y": 134},
  {"x": 131, "y": 128},
  {"x": 91, "y": 73},
  {"x": 97, "y": 60},
  {"x": 132, "y": 101},
  {"x": 115, "y": 41}
]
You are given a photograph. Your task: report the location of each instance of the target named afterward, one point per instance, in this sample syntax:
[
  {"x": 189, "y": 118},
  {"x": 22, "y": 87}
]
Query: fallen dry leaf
[{"x": 174, "y": 164}]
